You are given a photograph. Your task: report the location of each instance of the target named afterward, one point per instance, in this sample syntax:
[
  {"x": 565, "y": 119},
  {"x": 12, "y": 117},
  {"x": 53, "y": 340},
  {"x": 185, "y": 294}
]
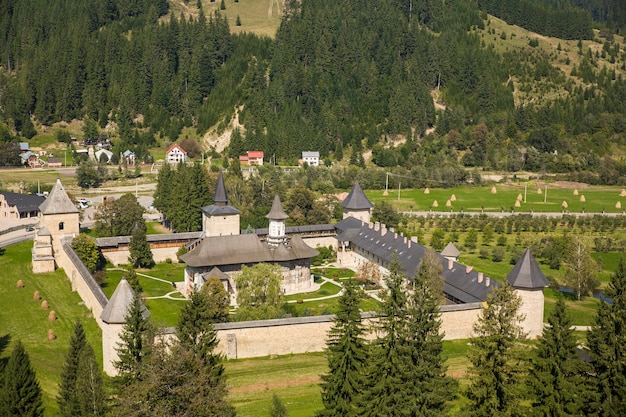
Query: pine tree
[
  {"x": 20, "y": 395},
  {"x": 347, "y": 356},
  {"x": 89, "y": 393},
  {"x": 278, "y": 408},
  {"x": 495, "y": 372},
  {"x": 135, "y": 346},
  {"x": 557, "y": 373},
  {"x": 67, "y": 398},
  {"x": 430, "y": 389},
  {"x": 139, "y": 248},
  {"x": 607, "y": 346},
  {"x": 386, "y": 394}
]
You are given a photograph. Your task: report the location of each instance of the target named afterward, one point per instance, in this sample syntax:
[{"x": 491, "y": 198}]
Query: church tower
[
  {"x": 220, "y": 219},
  {"x": 528, "y": 281},
  {"x": 277, "y": 216},
  {"x": 357, "y": 205}
]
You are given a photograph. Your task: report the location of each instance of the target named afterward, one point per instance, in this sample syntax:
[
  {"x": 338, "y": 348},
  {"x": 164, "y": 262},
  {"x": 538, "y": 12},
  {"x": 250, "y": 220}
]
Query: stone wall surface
[{"x": 120, "y": 257}]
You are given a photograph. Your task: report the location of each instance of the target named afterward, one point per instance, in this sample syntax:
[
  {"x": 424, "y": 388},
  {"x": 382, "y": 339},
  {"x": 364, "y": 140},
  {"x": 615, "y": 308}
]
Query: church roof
[
  {"x": 356, "y": 199},
  {"x": 58, "y": 202},
  {"x": 277, "y": 213},
  {"x": 220, "y": 190},
  {"x": 244, "y": 249},
  {"x": 527, "y": 274},
  {"x": 118, "y": 306},
  {"x": 450, "y": 250}
]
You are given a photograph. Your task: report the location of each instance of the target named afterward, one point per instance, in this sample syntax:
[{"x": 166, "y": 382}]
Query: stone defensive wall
[{"x": 260, "y": 338}]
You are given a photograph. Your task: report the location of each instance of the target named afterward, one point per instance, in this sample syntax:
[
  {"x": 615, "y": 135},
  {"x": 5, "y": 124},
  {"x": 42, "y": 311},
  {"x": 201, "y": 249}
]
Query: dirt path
[{"x": 265, "y": 386}]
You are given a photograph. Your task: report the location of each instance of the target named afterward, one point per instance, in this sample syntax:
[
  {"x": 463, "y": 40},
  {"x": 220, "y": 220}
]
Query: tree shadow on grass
[{"x": 4, "y": 342}]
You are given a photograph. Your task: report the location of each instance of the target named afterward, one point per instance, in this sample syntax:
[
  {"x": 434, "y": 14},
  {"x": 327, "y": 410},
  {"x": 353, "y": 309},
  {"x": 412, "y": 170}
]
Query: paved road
[{"x": 17, "y": 236}]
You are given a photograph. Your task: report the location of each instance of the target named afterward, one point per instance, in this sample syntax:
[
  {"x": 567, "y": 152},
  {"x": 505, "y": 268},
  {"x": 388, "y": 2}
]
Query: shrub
[{"x": 497, "y": 254}]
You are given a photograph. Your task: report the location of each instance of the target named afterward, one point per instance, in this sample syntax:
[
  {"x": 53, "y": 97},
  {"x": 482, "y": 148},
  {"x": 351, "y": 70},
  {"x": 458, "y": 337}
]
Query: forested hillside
[{"x": 341, "y": 77}]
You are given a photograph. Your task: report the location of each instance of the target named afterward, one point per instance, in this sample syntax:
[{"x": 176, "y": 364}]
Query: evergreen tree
[
  {"x": 139, "y": 248},
  {"x": 133, "y": 280},
  {"x": 347, "y": 356},
  {"x": 385, "y": 393},
  {"x": 20, "y": 395},
  {"x": 136, "y": 343},
  {"x": 278, "y": 408},
  {"x": 68, "y": 389},
  {"x": 557, "y": 373},
  {"x": 89, "y": 392},
  {"x": 607, "y": 350},
  {"x": 430, "y": 389},
  {"x": 495, "y": 371}
]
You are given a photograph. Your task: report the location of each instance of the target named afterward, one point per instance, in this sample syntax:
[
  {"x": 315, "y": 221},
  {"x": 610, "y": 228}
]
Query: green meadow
[
  {"x": 538, "y": 199},
  {"x": 21, "y": 317}
]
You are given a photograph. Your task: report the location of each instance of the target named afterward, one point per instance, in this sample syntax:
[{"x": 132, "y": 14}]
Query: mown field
[
  {"x": 532, "y": 197},
  {"x": 22, "y": 318}
]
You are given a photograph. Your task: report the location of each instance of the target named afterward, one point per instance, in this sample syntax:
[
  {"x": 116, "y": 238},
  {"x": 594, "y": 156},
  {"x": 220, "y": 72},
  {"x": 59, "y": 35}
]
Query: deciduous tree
[
  {"x": 580, "y": 268},
  {"x": 259, "y": 292},
  {"x": 218, "y": 300},
  {"x": 88, "y": 252}
]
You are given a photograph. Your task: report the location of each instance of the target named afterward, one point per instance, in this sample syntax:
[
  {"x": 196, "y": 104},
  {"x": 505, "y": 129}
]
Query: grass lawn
[
  {"x": 22, "y": 318},
  {"x": 333, "y": 272},
  {"x": 597, "y": 198}
]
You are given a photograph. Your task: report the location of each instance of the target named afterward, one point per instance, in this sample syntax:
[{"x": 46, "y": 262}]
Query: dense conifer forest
[{"x": 341, "y": 77}]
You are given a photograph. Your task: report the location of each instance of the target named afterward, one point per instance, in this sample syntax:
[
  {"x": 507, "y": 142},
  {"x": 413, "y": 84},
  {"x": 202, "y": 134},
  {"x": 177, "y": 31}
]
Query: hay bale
[
  {"x": 52, "y": 316},
  {"x": 576, "y": 192},
  {"x": 519, "y": 197},
  {"x": 448, "y": 203},
  {"x": 564, "y": 204},
  {"x": 51, "y": 335},
  {"x": 452, "y": 197},
  {"x": 517, "y": 203},
  {"x": 493, "y": 190},
  {"x": 19, "y": 284},
  {"x": 618, "y": 205},
  {"x": 426, "y": 190},
  {"x": 36, "y": 296},
  {"x": 385, "y": 193},
  {"x": 582, "y": 198},
  {"x": 435, "y": 204},
  {"x": 623, "y": 193},
  {"x": 44, "y": 305},
  {"x": 539, "y": 191}
]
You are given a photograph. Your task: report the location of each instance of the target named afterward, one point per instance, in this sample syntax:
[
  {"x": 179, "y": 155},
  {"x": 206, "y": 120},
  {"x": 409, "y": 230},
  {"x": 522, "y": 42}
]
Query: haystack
[
  {"x": 618, "y": 205},
  {"x": 564, "y": 204},
  {"x": 452, "y": 197},
  {"x": 493, "y": 190},
  {"x": 426, "y": 190},
  {"x": 576, "y": 192},
  {"x": 448, "y": 203},
  {"x": 519, "y": 197},
  {"x": 20, "y": 283},
  {"x": 623, "y": 193},
  {"x": 539, "y": 191},
  {"x": 44, "y": 305},
  {"x": 435, "y": 204},
  {"x": 52, "y": 316},
  {"x": 51, "y": 335},
  {"x": 36, "y": 296},
  {"x": 517, "y": 203},
  {"x": 582, "y": 198}
]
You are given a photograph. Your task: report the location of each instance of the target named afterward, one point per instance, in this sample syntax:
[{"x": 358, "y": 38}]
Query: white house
[
  {"x": 176, "y": 154},
  {"x": 311, "y": 158}
]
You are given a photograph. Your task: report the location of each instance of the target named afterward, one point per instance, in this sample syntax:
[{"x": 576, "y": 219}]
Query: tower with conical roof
[
  {"x": 357, "y": 205},
  {"x": 113, "y": 318},
  {"x": 220, "y": 219},
  {"x": 528, "y": 281},
  {"x": 277, "y": 216}
]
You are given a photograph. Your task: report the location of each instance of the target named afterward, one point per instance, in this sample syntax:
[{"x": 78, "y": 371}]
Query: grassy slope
[{"x": 22, "y": 318}]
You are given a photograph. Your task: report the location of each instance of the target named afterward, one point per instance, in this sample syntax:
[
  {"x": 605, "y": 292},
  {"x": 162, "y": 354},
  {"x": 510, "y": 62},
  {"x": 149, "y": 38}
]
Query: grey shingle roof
[
  {"x": 220, "y": 201},
  {"x": 220, "y": 191},
  {"x": 58, "y": 202},
  {"x": 459, "y": 283},
  {"x": 450, "y": 250},
  {"x": 23, "y": 202},
  {"x": 356, "y": 199},
  {"x": 277, "y": 213},
  {"x": 243, "y": 249},
  {"x": 527, "y": 274},
  {"x": 115, "y": 241},
  {"x": 117, "y": 308}
]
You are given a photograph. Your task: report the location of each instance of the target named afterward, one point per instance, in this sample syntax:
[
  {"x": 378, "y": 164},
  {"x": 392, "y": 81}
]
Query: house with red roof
[
  {"x": 175, "y": 154},
  {"x": 252, "y": 158}
]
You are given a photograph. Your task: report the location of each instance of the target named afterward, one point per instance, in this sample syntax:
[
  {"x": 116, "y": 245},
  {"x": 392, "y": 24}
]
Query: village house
[
  {"x": 175, "y": 154},
  {"x": 252, "y": 158},
  {"x": 311, "y": 158},
  {"x": 54, "y": 162}
]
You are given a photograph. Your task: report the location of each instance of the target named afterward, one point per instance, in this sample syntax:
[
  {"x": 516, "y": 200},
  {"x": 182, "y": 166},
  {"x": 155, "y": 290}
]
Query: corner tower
[
  {"x": 220, "y": 219},
  {"x": 528, "y": 282},
  {"x": 357, "y": 205},
  {"x": 277, "y": 216}
]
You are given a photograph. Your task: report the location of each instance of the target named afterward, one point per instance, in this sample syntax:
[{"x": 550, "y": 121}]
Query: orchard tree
[
  {"x": 495, "y": 358},
  {"x": 347, "y": 357},
  {"x": 557, "y": 374},
  {"x": 20, "y": 393},
  {"x": 607, "y": 342}
]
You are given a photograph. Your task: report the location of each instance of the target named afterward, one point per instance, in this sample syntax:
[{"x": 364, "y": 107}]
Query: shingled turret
[
  {"x": 277, "y": 218},
  {"x": 528, "y": 281},
  {"x": 357, "y": 205},
  {"x": 220, "y": 219}
]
